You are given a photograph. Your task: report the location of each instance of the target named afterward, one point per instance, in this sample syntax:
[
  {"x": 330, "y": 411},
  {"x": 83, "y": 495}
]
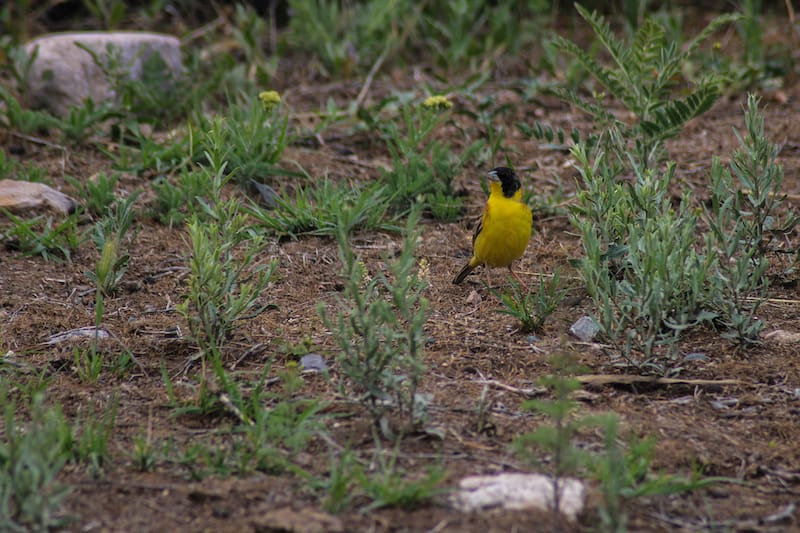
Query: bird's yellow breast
[{"x": 505, "y": 231}]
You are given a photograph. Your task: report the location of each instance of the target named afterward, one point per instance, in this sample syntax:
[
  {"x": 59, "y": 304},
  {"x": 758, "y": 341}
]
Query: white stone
[
  {"x": 64, "y": 74},
  {"x": 518, "y": 491},
  {"x": 23, "y": 196}
]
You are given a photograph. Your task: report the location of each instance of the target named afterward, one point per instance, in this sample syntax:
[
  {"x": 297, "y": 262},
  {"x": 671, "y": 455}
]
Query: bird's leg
[{"x": 516, "y": 278}]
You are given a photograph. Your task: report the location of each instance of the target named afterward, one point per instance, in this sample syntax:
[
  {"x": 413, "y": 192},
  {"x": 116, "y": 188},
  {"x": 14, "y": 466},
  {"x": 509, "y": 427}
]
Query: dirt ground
[{"x": 748, "y": 431}]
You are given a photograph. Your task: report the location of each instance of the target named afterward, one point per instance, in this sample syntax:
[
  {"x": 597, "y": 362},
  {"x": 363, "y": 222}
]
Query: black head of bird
[{"x": 508, "y": 180}]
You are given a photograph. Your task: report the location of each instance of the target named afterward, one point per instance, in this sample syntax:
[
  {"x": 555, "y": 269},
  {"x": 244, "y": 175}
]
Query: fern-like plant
[{"x": 643, "y": 75}]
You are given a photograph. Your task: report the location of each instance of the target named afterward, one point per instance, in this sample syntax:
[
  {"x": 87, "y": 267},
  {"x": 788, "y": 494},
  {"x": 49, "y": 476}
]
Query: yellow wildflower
[
  {"x": 269, "y": 99},
  {"x": 437, "y": 102}
]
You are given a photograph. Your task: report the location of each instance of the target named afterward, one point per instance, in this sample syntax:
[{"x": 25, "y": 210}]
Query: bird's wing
[
  {"x": 479, "y": 225},
  {"x": 478, "y": 228}
]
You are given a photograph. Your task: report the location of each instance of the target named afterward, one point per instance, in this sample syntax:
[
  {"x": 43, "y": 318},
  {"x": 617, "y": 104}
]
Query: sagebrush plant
[
  {"x": 743, "y": 219},
  {"x": 641, "y": 266},
  {"x": 643, "y": 75},
  {"x": 31, "y": 457},
  {"x": 378, "y": 326},
  {"x": 226, "y": 273},
  {"x": 554, "y": 445},
  {"x": 423, "y": 170},
  {"x": 623, "y": 474},
  {"x": 650, "y": 272}
]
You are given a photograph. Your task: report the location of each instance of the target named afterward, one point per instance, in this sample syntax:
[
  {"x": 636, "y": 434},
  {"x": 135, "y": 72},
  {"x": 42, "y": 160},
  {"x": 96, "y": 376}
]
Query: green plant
[
  {"x": 532, "y": 310},
  {"x": 423, "y": 171},
  {"x": 225, "y": 279},
  {"x": 143, "y": 453},
  {"x": 123, "y": 363},
  {"x": 158, "y": 95},
  {"x": 98, "y": 193},
  {"x": 109, "y": 238},
  {"x": 344, "y": 470},
  {"x": 324, "y": 207},
  {"x": 92, "y": 436},
  {"x": 8, "y": 165},
  {"x": 250, "y": 30},
  {"x": 391, "y": 487},
  {"x": 174, "y": 203},
  {"x": 251, "y": 138},
  {"x": 18, "y": 118},
  {"x": 642, "y": 266},
  {"x": 83, "y": 120},
  {"x": 42, "y": 236},
  {"x": 139, "y": 152},
  {"x": 109, "y": 12},
  {"x": 752, "y": 33},
  {"x": 31, "y": 456},
  {"x": 286, "y": 422},
  {"x": 88, "y": 363},
  {"x": 556, "y": 441},
  {"x": 624, "y": 475},
  {"x": 743, "y": 218},
  {"x": 642, "y": 77},
  {"x": 378, "y": 328},
  {"x": 347, "y": 38}
]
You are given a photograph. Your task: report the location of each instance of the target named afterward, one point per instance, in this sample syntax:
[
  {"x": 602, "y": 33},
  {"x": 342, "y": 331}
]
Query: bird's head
[{"x": 507, "y": 178}]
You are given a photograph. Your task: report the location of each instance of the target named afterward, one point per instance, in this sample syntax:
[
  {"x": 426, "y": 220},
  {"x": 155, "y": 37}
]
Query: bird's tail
[{"x": 464, "y": 273}]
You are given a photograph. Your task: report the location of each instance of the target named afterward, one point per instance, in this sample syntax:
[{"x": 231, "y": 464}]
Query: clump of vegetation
[
  {"x": 531, "y": 309},
  {"x": 650, "y": 272},
  {"x": 423, "y": 170},
  {"x": 643, "y": 75},
  {"x": 378, "y": 328},
  {"x": 623, "y": 473},
  {"x": 31, "y": 456}
]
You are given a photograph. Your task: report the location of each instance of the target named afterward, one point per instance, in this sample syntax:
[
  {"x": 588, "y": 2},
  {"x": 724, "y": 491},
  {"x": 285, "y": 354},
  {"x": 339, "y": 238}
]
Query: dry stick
[{"x": 613, "y": 379}]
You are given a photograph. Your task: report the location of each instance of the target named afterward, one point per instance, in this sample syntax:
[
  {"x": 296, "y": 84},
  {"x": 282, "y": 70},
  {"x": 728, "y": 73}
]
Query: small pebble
[
  {"x": 313, "y": 361},
  {"x": 584, "y": 329}
]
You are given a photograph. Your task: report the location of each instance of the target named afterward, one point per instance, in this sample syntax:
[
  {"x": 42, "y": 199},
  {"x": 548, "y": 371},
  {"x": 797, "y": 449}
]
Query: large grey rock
[
  {"x": 26, "y": 196},
  {"x": 65, "y": 74}
]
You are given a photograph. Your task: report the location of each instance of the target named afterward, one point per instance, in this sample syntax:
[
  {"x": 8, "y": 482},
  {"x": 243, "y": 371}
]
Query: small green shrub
[
  {"x": 322, "y": 208},
  {"x": 642, "y": 77},
  {"x": 226, "y": 276},
  {"x": 31, "y": 456},
  {"x": 378, "y": 328}
]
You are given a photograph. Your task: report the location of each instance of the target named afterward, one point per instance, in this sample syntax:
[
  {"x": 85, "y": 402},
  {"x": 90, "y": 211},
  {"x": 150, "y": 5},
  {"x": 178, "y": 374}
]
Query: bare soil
[{"x": 747, "y": 431}]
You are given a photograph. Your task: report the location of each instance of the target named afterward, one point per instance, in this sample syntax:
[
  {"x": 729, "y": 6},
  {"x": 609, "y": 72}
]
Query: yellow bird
[{"x": 504, "y": 230}]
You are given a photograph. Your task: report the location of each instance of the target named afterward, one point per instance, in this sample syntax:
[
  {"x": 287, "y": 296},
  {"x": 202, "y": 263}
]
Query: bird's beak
[{"x": 493, "y": 175}]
